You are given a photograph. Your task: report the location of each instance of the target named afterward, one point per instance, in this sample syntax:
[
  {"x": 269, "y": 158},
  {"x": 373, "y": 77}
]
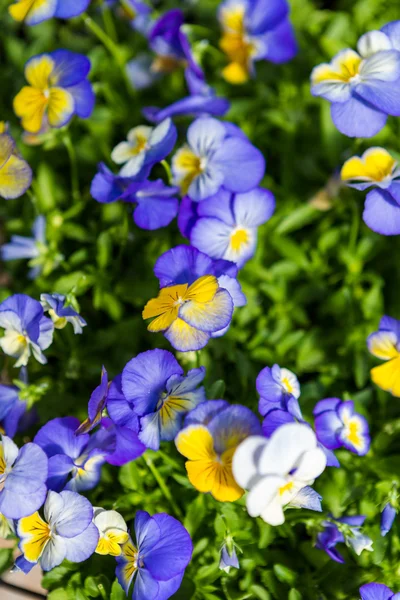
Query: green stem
[
  {"x": 103, "y": 37},
  {"x": 74, "y": 166},
  {"x": 163, "y": 486},
  {"x": 109, "y": 23},
  {"x": 168, "y": 171},
  {"x": 355, "y": 226}
]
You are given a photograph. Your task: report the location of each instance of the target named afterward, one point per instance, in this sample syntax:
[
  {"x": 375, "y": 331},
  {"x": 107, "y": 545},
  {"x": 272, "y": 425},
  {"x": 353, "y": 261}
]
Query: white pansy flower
[{"x": 113, "y": 531}]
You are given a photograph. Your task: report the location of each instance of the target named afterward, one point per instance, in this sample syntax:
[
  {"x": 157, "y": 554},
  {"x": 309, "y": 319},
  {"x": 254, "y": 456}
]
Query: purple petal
[
  {"x": 242, "y": 165},
  {"x": 356, "y": 118},
  {"x": 58, "y": 437},
  {"x": 382, "y": 213},
  {"x": 70, "y": 67},
  {"x": 173, "y": 551}
]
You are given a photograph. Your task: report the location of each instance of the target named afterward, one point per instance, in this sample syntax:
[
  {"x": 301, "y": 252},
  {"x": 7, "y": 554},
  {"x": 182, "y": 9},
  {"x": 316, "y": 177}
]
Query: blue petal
[
  {"x": 242, "y": 165},
  {"x": 128, "y": 447},
  {"x": 155, "y": 210},
  {"x": 8, "y": 398},
  {"x": 162, "y": 140},
  {"x": 263, "y": 15},
  {"x": 19, "y": 247},
  {"x": 27, "y": 310},
  {"x": 60, "y": 467},
  {"x": 326, "y": 404},
  {"x": 205, "y": 412},
  {"x": 70, "y": 67},
  {"x": 327, "y": 427},
  {"x": 58, "y": 437},
  {"x": 82, "y": 546},
  {"x": 387, "y": 518},
  {"x": 307, "y": 498},
  {"x": 173, "y": 551},
  {"x": 392, "y": 30},
  {"x": 274, "y": 420},
  {"x": 147, "y": 532},
  {"x": 84, "y": 98},
  {"x": 106, "y": 187},
  {"x": 383, "y": 95},
  {"x": 356, "y": 118},
  {"x": 191, "y": 105},
  {"x": 70, "y": 8},
  {"x": 253, "y": 208},
  {"x": 375, "y": 591},
  {"x": 280, "y": 43},
  {"x": 232, "y": 426},
  {"x": 382, "y": 213},
  {"x": 182, "y": 264}
]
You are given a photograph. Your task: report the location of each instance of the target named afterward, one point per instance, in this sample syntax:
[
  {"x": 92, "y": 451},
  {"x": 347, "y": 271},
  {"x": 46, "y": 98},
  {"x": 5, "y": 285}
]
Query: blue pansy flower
[
  {"x": 75, "y": 461},
  {"x": 377, "y": 591},
  {"x": 65, "y": 531},
  {"x": 337, "y": 426},
  {"x": 254, "y": 30},
  {"x": 387, "y": 518},
  {"x": 28, "y": 247},
  {"x": 37, "y": 11},
  {"x": 12, "y": 410},
  {"x": 363, "y": 86},
  {"x": 157, "y": 391},
  {"x": 60, "y": 313},
  {"x": 278, "y": 388},
  {"x": 216, "y": 155},
  {"x": 26, "y": 330},
  {"x": 144, "y": 147},
  {"x": 155, "y": 559},
  {"x": 225, "y": 225},
  {"x": 344, "y": 530},
  {"x": 23, "y": 474}
]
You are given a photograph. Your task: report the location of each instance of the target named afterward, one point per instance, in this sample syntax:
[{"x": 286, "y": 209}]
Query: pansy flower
[
  {"x": 337, "y": 426},
  {"x": 387, "y": 518},
  {"x": 155, "y": 559},
  {"x": 344, "y": 530},
  {"x": 61, "y": 314},
  {"x": 378, "y": 169},
  {"x": 26, "y": 330},
  {"x": 12, "y": 410},
  {"x": 32, "y": 248},
  {"x": 225, "y": 225},
  {"x": 362, "y": 86},
  {"x": 278, "y": 388},
  {"x": 157, "y": 391},
  {"x": 377, "y": 591},
  {"x": 385, "y": 344},
  {"x": 58, "y": 88},
  {"x": 253, "y": 31},
  {"x": 15, "y": 173},
  {"x": 144, "y": 147},
  {"x": 33, "y": 12},
  {"x": 209, "y": 442},
  {"x": 275, "y": 470},
  {"x": 216, "y": 155},
  {"x": 113, "y": 531},
  {"x": 75, "y": 461},
  {"x": 137, "y": 12},
  {"x": 23, "y": 473},
  {"x": 65, "y": 531}
]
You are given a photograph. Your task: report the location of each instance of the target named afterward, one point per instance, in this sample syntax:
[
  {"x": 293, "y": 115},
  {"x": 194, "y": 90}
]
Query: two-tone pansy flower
[
  {"x": 153, "y": 562},
  {"x": 377, "y": 591},
  {"x": 278, "y": 469},
  {"x": 385, "y": 344},
  {"x": 225, "y": 225},
  {"x": 253, "y": 31},
  {"x": 58, "y": 89},
  {"x": 278, "y": 388},
  {"x": 60, "y": 313},
  {"x": 209, "y": 440},
  {"x": 15, "y": 173},
  {"x": 337, "y": 425},
  {"x": 113, "y": 531},
  {"x": 75, "y": 461},
  {"x": 26, "y": 330},
  {"x": 23, "y": 474},
  {"x": 156, "y": 390},
  {"x": 216, "y": 155},
  {"x": 65, "y": 531},
  {"x": 345, "y": 530},
  {"x": 378, "y": 169},
  {"x": 363, "y": 86},
  {"x": 32, "y": 248},
  {"x": 196, "y": 299},
  {"x": 33, "y": 12}
]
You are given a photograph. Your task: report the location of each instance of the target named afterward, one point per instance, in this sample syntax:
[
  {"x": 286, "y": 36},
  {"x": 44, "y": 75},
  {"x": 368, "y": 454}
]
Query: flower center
[
  {"x": 239, "y": 238},
  {"x": 353, "y": 433},
  {"x": 286, "y": 488}
]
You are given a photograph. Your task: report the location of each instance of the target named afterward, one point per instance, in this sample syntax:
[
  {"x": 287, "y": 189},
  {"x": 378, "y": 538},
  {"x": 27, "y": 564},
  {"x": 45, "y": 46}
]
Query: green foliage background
[{"x": 316, "y": 288}]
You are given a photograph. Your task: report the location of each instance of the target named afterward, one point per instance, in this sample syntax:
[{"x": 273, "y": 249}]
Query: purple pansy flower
[
  {"x": 225, "y": 225},
  {"x": 28, "y": 247},
  {"x": 65, "y": 532},
  {"x": 363, "y": 86},
  {"x": 377, "y": 591},
  {"x": 337, "y": 426},
  {"x": 156, "y": 559},
  {"x": 278, "y": 388},
  {"x": 23, "y": 473},
  {"x": 156, "y": 391},
  {"x": 26, "y": 330},
  {"x": 387, "y": 518},
  {"x": 37, "y": 12},
  {"x": 216, "y": 156},
  {"x": 344, "y": 530},
  {"x": 61, "y": 314}
]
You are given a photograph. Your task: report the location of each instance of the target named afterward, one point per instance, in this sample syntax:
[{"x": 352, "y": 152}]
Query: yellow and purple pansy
[
  {"x": 377, "y": 591},
  {"x": 376, "y": 168},
  {"x": 385, "y": 344},
  {"x": 225, "y": 225},
  {"x": 15, "y": 173},
  {"x": 58, "y": 89},
  {"x": 212, "y": 432},
  {"x": 33, "y": 12},
  {"x": 337, "y": 425},
  {"x": 363, "y": 86},
  {"x": 254, "y": 30},
  {"x": 33, "y": 248}
]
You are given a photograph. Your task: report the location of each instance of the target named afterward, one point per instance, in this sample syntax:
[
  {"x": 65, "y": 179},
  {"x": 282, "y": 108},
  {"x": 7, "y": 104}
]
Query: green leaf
[
  {"x": 284, "y": 574},
  {"x": 117, "y": 593},
  {"x": 260, "y": 592}
]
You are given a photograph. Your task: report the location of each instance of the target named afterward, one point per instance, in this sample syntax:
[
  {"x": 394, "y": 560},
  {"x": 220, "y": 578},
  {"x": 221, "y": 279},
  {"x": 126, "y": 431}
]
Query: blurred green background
[{"x": 318, "y": 285}]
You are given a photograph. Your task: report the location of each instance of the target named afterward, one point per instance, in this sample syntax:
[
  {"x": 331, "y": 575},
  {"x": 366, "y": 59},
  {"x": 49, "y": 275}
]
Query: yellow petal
[
  {"x": 374, "y": 165},
  {"x": 6, "y": 148},
  {"x": 30, "y": 105},
  {"x": 60, "y": 108},
  {"x": 342, "y": 69},
  {"x": 34, "y": 533},
  {"x": 38, "y": 71},
  {"x": 165, "y": 301},
  {"x": 203, "y": 289},
  {"x": 20, "y": 10},
  {"x": 196, "y": 443},
  {"x": 232, "y": 18},
  {"x": 111, "y": 543},
  {"x": 235, "y": 73},
  {"x": 383, "y": 344},
  {"x": 15, "y": 177},
  {"x": 387, "y": 376}
]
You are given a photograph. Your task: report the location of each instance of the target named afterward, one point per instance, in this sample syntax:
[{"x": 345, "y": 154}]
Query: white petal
[
  {"x": 245, "y": 459},
  {"x": 133, "y": 165},
  {"x": 159, "y": 132},
  {"x": 273, "y": 513},
  {"x": 109, "y": 519},
  {"x": 53, "y": 553},
  {"x": 10, "y": 451},
  {"x": 263, "y": 493},
  {"x": 310, "y": 466},
  {"x": 285, "y": 447},
  {"x": 10, "y": 320},
  {"x": 122, "y": 153},
  {"x": 142, "y": 131},
  {"x": 384, "y": 66},
  {"x": 372, "y": 42},
  {"x": 53, "y": 507}
]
